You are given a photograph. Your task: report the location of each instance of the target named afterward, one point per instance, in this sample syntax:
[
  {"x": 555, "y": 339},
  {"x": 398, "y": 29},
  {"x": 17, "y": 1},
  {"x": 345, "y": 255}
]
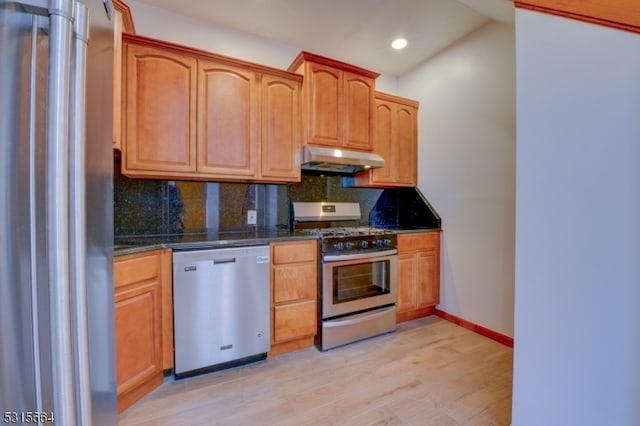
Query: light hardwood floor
[{"x": 428, "y": 372}]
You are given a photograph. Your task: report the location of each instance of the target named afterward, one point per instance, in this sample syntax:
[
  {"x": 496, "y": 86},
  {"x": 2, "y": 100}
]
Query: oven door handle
[{"x": 368, "y": 255}]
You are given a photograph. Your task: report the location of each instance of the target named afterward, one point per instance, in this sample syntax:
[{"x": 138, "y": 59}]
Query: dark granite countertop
[
  {"x": 411, "y": 230},
  {"x": 203, "y": 240}
]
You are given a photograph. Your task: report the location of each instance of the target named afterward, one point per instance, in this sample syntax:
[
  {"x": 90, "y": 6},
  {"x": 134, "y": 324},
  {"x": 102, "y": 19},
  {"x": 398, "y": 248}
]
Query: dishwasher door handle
[{"x": 221, "y": 261}]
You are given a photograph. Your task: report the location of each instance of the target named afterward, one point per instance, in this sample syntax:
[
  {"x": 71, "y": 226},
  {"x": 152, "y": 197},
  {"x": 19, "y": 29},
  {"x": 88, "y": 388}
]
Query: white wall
[
  {"x": 163, "y": 25},
  {"x": 466, "y": 169},
  {"x": 577, "y": 312}
]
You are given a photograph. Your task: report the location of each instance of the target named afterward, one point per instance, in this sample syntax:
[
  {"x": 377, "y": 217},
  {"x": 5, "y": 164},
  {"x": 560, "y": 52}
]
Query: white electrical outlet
[{"x": 252, "y": 217}]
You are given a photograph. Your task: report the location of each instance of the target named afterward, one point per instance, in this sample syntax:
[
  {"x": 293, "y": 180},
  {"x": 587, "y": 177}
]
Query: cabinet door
[
  {"x": 138, "y": 335},
  {"x": 407, "y": 271},
  {"x": 324, "y": 109},
  {"x": 427, "y": 282},
  {"x": 405, "y": 147},
  {"x": 280, "y": 136},
  {"x": 357, "y": 112},
  {"x": 227, "y": 121},
  {"x": 396, "y": 140},
  {"x": 161, "y": 110},
  {"x": 383, "y": 141}
]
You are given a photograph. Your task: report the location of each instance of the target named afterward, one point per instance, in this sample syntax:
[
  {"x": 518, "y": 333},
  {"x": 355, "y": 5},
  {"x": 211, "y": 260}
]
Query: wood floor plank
[{"x": 428, "y": 372}]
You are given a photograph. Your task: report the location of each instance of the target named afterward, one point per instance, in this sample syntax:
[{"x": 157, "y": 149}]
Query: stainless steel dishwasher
[{"x": 220, "y": 308}]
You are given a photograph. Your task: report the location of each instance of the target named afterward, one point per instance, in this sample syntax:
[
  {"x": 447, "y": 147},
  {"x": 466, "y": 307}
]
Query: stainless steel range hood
[{"x": 338, "y": 160}]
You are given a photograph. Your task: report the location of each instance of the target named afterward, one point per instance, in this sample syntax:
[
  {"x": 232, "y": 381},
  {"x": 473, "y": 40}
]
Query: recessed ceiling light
[{"x": 399, "y": 43}]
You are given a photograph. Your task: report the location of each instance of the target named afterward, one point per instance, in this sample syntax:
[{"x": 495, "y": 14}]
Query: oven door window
[{"x": 361, "y": 280}]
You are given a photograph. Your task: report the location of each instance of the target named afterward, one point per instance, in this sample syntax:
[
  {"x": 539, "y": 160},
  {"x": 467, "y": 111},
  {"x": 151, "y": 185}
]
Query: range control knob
[
  {"x": 349, "y": 245},
  {"x": 364, "y": 244},
  {"x": 339, "y": 246}
]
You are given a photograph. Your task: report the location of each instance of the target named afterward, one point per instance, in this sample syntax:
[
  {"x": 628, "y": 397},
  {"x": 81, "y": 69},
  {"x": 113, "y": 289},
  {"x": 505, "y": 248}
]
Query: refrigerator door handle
[
  {"x": 77, "y": 206},
  {"x": 33, "y": 82},
  {"x": 57, "y": 208}
]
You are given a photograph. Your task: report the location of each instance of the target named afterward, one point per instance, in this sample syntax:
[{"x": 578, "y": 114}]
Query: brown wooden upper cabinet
[
  {"x": 199, "y": 116},
  {"x": 396, "y": 140},
  {"x": 117, "y": 79},
  {"x": 338, "y": 102},
  {"x": 122, "y": 22}
]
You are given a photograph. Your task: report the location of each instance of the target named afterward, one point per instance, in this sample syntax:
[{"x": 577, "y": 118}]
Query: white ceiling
[{"x": 354, "y": 31}]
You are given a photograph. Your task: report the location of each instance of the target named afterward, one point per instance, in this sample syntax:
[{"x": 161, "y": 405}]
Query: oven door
[{"x": 357, "y": 282}]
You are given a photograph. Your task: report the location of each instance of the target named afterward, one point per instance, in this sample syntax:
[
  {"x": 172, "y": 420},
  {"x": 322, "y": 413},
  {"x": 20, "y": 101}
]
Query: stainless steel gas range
[{"x": 358, "y": 268}]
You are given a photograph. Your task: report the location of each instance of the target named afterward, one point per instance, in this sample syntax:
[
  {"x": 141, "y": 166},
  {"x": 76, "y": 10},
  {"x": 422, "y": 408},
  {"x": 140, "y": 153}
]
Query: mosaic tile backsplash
[{"x": 161, "y": 207}]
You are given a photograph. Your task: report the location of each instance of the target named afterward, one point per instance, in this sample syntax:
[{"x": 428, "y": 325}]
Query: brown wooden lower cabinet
[
  {"x": 143, "y": 323},
  {"x": 294, "y": 290},
  {"x": 418, "y": 275}
]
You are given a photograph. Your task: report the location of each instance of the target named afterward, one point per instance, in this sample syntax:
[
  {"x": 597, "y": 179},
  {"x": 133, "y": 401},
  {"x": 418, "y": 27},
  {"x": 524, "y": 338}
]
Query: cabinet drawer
[
  {"x": 303, "y": 251},
  {"x": 294, "y": 320},
  {"x": 410, "y": 242},
  {"x": 135, "y": 268},
  {"x": 294, "y": 282}
]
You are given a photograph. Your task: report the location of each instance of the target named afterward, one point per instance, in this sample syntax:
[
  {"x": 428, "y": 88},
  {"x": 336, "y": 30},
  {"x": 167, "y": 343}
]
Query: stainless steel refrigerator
[{"x": 57, "y": 355}]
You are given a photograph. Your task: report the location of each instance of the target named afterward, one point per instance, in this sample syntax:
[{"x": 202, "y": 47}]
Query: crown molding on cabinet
[
  {"x": 307, "y": 56},
  {"x": 621, "y": 14},
  {"x": 397, "y": 99},
  {"x": 197, "y": 53},
  {"x": 127, "y": 18}
]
